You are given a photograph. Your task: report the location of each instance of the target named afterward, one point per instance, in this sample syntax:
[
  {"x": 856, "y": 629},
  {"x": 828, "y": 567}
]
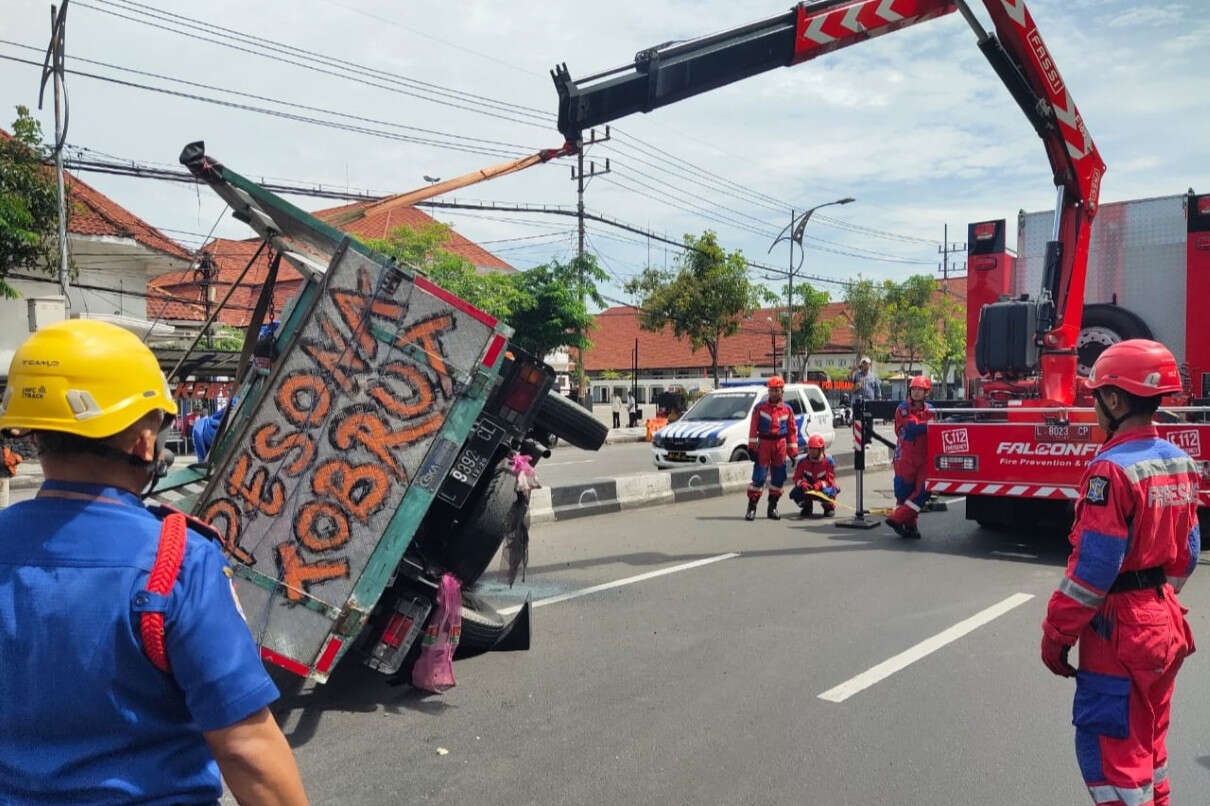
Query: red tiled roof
[
  {"x": 379, "y": 225},
  {"x": 617, "y": 328},
  {"x": 174, "y": 292},
  {"x": 94, "y": 213}
]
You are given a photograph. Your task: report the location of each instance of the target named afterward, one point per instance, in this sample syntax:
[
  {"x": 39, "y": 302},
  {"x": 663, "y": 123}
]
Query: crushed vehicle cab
[
  {"x": 369, "y": 451},
  {"x": 715, "y": 428}
]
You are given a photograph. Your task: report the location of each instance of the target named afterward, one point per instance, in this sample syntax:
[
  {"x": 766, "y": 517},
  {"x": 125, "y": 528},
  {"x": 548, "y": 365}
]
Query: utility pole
[
  {"x": 790, "y": 299},
  {"x": 52, "y": 66},
  {"x": 578, "y": 176},
  {"x": 945, "y": 250}
]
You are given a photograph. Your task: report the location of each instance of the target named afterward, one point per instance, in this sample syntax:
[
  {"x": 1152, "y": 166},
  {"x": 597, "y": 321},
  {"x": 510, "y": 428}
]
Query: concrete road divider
[{"x": 653, "y": 489}]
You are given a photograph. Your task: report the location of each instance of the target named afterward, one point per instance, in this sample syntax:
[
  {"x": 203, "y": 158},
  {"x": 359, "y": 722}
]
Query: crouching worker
[{"x": 815, "y": 473}]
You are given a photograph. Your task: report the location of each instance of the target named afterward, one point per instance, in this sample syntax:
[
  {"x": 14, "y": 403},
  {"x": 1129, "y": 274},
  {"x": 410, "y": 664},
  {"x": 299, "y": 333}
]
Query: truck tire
[
  {"x": 570, "y": 422},
  {"x": 484, "y": 629},
  {"x": 476, "y": 539},
  {"x": 1103, "y": 325}
]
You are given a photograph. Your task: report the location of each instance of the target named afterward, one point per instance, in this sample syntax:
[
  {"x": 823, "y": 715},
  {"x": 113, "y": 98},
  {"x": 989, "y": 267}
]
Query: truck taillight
[
  {"x": 525, "y": 389},
  {"x": 985, "y": 231},
  {"x": 396, "y": 628},
  {"x": 401, "y": 631},
  {"x": 958, "y": 462}
]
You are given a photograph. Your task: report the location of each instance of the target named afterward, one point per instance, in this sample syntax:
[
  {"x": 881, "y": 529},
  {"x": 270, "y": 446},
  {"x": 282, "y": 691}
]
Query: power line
[
  {"x": 123, "y": 169},
  {"x": 285, "y": 115},
  {"x": 286, "y": 52}
]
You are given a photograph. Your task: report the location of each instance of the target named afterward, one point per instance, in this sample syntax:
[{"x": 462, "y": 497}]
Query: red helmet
[
  {"x": 1139, "y": 366},
  {"x": 815, "y": 441},
  {"x": 776, "y": 382},
  {"x": 921, "y": 382}
]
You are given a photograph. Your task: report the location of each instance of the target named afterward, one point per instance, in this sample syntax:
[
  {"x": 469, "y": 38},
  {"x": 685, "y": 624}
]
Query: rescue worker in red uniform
[
  {"x": 815, "y": 472},
  {"x": 1134, "y": 543},
  {"x": 772, "y": 436},
  {"x": 911, "y": 457}
]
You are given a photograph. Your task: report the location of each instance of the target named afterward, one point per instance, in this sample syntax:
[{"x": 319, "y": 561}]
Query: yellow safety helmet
[{"x": 83, "y": 377}]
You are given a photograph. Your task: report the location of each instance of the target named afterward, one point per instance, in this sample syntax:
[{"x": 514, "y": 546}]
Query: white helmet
[{"x": 865, "y": 359}]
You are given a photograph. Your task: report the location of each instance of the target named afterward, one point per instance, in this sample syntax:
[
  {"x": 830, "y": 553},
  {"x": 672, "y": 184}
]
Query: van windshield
[{"x": 724, "y": 406}]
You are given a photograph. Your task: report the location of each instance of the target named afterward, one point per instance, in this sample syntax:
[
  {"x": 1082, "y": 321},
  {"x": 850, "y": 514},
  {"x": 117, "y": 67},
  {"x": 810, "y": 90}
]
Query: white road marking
[
  {"x": 923, "y": 649},
  {"x": 1016, "y": 554},
  {"x": 575, "y": 462},
  {"x": 618, "y": 583}
]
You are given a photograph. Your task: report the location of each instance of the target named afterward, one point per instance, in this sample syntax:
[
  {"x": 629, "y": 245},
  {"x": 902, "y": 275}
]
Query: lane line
[
  {"x": 1020, "y": 555},
  {"x": 923, "y": 649},
  {"x": 618, "y": 583},
  {"x": 570, "y": 462}
]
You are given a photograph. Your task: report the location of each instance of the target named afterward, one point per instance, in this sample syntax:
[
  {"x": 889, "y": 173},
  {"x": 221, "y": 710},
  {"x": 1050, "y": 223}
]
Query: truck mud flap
[{"x": 485, "y": 630}]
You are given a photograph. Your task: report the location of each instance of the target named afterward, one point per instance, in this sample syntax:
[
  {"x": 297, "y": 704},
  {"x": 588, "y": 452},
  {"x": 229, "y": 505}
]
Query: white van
[{"x": 715, "y": 428}]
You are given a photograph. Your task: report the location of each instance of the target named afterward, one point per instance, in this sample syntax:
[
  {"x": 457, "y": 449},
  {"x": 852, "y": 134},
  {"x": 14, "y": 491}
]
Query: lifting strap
[{"x": 152, "y": 601}]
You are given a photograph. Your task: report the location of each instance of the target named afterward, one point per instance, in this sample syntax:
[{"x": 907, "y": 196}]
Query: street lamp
[{"x": 793, "y": 233}]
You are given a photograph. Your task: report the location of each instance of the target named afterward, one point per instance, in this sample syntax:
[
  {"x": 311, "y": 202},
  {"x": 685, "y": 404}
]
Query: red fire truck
[
  {"x": 1148, "y": 262},
  {"x": 1017, "y": 447}
]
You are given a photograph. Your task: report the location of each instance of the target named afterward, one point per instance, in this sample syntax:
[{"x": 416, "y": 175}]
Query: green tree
[
  {"x": 810, "y": 330},
  {"x": 866, "y": 302},
  {"x": 703, "y": 298},
  {"x": 552, "y": 307},
  {"x": 29, "y": 205},
  {"x": 912, "y": 331},
  {"x": 228, "y": 338},
  {"x": 423, "y": 249},
  {"x": 949, "y": 349}
]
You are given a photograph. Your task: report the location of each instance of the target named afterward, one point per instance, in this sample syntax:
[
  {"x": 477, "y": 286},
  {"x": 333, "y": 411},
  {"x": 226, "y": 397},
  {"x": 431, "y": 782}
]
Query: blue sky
[{"x": 914, "y": 125}]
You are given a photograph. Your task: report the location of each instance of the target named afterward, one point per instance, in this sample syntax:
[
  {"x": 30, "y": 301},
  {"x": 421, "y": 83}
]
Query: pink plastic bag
[{"x": 434, "y": 669}]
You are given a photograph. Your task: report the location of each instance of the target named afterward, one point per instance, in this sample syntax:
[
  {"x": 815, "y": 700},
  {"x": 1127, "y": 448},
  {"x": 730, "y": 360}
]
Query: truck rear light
[
  {"x": 958, "y": 462},
  {"x": 397, "y": 627},
  {"x": 985, "y": 231},
  {"x": 401, "y": 631},
  {"x": 525, "y": 389}
]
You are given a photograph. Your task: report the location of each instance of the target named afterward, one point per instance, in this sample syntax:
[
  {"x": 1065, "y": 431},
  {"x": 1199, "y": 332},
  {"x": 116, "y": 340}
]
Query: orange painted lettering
[
  {"x": 257, "y": 491},
  {"x": 360, "y": 490},
  {"x": 322, "y": 526},
  {"x": 425, "y": 333},
  {"x": 226, "y": 511},
  {"x": 407, "y": 406},
  {"x": 298, "y": 576},
  {"x": 304, "y": 399},
  {"x": 268, "y": 448},
  {"x": 335, "y": 355}
]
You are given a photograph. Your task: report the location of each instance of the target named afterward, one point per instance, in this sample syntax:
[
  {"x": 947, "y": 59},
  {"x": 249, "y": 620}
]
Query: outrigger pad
[
  {"x": 859, "y": 523},
  {"x": 516, "y": 635}
]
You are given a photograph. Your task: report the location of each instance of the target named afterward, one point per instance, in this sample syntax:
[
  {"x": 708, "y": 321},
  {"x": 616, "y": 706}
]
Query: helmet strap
[{"x": 1114, "y": 422}]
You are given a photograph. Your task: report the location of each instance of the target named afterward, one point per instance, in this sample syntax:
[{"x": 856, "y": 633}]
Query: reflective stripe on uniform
[
  {"x": 1131, "y": 796},
  {"x": 1161, "y": 773},
  {"x": 912, "y": 504},
  {"x": 1080, "y": 593},
  {"x": 1177, "y": 583},
  {"x": 1149, "y": 468}
]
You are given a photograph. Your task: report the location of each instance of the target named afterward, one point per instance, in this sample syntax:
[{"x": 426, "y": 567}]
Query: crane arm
[{"x": 671, "y": 72}]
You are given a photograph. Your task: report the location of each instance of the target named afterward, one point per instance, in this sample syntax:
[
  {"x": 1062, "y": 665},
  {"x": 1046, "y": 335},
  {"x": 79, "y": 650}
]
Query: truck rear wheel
[
  {"x": 475, "y": 540},
  {"x": 570, "y": 422},
  {"x": 1104, "y": 325}
]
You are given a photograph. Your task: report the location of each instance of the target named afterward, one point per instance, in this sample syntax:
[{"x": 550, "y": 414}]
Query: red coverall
[
  {"x": 1138, "y": 511},
  {"x": 911, "y": 459},
  {"x": 821, "y": 476},
  {"x": 774, "y": 433}
]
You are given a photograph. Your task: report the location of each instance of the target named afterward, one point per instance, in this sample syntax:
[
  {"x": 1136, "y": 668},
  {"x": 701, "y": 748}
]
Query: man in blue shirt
[{"x": 86, "y": 714}]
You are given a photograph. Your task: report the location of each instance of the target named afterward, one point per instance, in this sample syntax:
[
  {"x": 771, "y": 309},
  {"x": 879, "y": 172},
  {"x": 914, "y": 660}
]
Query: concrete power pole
[
  {"x": 578, "y": 176},
  {"x": 53, "y": 68}
]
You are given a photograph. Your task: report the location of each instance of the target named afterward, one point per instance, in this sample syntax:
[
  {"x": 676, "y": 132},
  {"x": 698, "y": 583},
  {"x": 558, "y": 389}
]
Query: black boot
[
  {"x": 828, "y": 511},
  {"x": 750, "y": 515},
  {"x": 771, "y": 513},
  {"x": 807, "y": 509}
]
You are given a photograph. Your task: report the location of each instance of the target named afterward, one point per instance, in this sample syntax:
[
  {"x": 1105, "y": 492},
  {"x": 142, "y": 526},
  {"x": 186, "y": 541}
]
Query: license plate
[
  {"x": 678, "y": 456},
  {"x": 1062, "y": 432}
]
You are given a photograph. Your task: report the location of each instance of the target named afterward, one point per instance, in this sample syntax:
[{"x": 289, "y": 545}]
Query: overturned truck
[{"x": 368, "y": 451}]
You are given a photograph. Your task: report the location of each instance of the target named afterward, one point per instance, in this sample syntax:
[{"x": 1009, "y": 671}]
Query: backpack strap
[{"x": 152, "y": 601}]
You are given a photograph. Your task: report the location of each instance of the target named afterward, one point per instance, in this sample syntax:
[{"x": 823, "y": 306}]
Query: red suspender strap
[{"x": 159, "y": 584}]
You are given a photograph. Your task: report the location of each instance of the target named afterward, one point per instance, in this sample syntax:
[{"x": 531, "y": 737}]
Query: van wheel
[
  {"x": 1104, "y": 325},
  {"x": 741, "y": 454}
]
